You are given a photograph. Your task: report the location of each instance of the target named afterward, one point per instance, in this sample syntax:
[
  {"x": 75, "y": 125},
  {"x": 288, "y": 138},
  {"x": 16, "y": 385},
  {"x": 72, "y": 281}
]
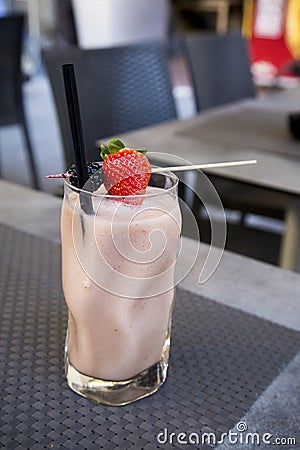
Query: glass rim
[{"x": 170, "y": 175}]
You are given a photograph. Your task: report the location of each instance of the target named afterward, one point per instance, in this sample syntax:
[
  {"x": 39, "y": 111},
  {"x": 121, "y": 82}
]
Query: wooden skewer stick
[
  {"x": 204, "y": 166},
  {"x": 58, "y": 175},
  {"x": 180, "y": 168}
]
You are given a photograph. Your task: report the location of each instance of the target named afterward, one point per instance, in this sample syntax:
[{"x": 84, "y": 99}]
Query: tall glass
[{"x": 118, "y": 262}]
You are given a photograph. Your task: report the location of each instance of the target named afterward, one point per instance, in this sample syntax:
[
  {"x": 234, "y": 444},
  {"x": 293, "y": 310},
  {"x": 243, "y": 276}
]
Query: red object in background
[{"x": 274, "y": 33}]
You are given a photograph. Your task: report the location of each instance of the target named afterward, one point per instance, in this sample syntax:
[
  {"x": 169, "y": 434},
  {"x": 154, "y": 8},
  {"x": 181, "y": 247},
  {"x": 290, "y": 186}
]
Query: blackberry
[
  {"x": 95, "y": 176},
  {"x": 72, "y": 172}
]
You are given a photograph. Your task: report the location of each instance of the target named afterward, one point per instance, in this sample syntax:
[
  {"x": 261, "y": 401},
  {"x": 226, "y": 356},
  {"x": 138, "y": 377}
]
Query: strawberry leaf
[
  {"x": 142, "y": 150},
  {"x": 103, "y": 151},
  {"x": 114, "y": 145}
]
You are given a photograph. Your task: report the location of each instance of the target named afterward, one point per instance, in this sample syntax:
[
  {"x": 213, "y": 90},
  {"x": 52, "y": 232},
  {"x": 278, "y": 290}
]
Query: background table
[
  {"x": 234, "y": 357},
  {"x": 217, "y": 135}
]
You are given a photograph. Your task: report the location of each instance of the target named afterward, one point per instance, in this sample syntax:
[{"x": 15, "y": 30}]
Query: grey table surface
[{"x": 246, "y": 285}]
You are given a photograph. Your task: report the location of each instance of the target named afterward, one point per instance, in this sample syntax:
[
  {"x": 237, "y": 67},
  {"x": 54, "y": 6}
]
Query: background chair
[
  {"x": 120, "y": 89},
  {"x": 11, "y": 77},
  {"x": 220, "y": 68},
  {"x": 220, "y": 72}
]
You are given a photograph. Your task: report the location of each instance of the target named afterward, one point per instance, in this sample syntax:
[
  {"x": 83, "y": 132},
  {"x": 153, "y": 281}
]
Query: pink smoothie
[{"x": 118, "y": 275}]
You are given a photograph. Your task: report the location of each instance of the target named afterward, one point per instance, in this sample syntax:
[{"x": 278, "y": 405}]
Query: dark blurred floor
[{"x": 260, "y": 244}]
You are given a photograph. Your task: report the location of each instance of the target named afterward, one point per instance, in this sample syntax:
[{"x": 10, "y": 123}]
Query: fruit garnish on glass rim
[
  {"x": 95, "y": 176},
  {"x": 126, "y": 171}
]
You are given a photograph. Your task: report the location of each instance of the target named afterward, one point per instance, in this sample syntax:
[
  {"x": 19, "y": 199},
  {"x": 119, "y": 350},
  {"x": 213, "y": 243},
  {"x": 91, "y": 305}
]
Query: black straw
[
  {"x": 77, "y": 136},
  {"x": 75, "y": 123}
]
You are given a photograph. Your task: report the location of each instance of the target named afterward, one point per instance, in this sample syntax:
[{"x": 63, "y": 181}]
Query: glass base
[{"x": 117, "y": 393}]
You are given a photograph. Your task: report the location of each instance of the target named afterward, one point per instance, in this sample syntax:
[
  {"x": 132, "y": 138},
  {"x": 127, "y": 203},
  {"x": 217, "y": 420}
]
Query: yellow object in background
[
  {"x": 248, "y": 18},
  {"x": 292, "y": 27}
]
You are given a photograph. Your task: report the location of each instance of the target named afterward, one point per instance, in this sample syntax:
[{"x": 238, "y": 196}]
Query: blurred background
[{"x": 91, "y": 24}]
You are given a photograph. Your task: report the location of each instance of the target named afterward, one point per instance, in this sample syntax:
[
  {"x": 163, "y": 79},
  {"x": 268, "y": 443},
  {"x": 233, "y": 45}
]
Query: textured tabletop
[{"x": 221, "y": 361}]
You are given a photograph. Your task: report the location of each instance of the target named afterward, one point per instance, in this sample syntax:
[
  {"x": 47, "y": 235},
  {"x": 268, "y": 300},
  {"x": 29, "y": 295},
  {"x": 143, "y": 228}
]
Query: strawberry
[{"x": 126, "y": 171}]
